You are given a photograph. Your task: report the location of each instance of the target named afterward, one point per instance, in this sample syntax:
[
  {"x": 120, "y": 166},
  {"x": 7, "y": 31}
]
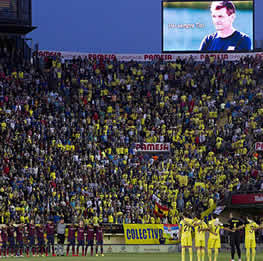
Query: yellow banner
[
  {"x": 207, "y": 212},
  {"x": 142, "y": 233}
]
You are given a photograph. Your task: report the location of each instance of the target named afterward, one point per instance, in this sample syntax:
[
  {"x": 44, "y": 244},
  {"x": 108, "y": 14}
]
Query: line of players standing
[{"x": 22, "y": 238}]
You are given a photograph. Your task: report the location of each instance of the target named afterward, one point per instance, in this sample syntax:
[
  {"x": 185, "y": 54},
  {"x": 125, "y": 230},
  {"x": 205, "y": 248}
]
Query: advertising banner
[
  {"x": 149, "y": 57},
  {"x": 152, "y": 147},
  {"x": 109, "y": 249},
  {"x": 240, "y": 199},
  {"x": 142, "y": 233}
]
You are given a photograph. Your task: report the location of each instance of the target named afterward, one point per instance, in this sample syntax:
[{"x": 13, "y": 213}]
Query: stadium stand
[{"x": 68, "y": 131}]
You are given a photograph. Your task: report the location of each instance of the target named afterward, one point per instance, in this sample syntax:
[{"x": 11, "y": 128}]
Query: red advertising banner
[{"x": 240, "y": 199}]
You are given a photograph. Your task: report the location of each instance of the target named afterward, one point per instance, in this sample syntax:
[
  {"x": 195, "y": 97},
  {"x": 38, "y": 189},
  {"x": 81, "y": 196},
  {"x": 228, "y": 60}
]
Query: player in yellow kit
[
  {"x": 185, "y": 236},
  {"x": 200, "y": 227},
  {"x": 250, "y": 238},
  {"x": 214, "y": 241}
]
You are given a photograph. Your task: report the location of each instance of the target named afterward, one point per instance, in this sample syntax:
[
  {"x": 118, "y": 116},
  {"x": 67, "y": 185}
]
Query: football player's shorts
[
  {"x": 199, "y": 243},
  {"x": 214, "y": 243},
  {"x": 250, "y": 243},
  {"x": 186, "y": 241}
]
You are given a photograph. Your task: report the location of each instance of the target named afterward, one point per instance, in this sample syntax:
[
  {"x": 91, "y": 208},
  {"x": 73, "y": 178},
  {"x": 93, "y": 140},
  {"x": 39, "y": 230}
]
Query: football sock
[
  {"x": 203, "y": 254},
  {"x": 210, "y": 254},
  {"x": 191, "y": 253},
  {"x": 183, "y": 254},
  {"x": 198, "y": 254},
  {"x": 248, "y": 254},
  {"x": 216, "y": 254},
  {"x": 253, "y": 254}
]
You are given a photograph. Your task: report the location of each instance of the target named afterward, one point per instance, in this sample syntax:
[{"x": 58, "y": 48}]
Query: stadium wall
[
  {"x": 116, "y": 239},
  {"x": 122, "y": 249}
]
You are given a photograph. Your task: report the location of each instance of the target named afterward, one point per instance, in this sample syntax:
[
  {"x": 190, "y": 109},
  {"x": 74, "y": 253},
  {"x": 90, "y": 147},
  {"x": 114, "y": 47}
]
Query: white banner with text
[{"x": 149, "y": 57}]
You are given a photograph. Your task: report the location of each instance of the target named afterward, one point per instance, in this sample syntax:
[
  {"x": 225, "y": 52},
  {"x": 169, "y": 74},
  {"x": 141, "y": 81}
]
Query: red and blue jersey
[
  {"x": 71, "y": 233},
  {"x": 99, "y": 234},
  {"x": 4, "y": 235},
  {"x": 81, "y": 231},
  {"x": 20, "y": 231},
  {"x": 31, "y": 230},
  {"x": 50, "y": 228},
  {"x": 90, "y": 233},
  {"x": 40, "y": 232},
  {"x": 11, "y": 231}
]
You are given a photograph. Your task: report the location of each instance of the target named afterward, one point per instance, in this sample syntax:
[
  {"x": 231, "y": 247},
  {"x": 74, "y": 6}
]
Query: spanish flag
[{"x": 160, "y": 210}]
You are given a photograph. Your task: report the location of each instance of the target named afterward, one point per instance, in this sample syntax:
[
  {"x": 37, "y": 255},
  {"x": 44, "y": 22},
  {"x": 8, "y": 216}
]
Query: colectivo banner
[
  {"x": 149, "y": 56},
  {"x": 143, "y": 234}
]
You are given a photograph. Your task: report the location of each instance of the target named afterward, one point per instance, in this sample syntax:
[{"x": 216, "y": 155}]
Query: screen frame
[
  {"x": 187, "y": 51},
  {"x": 10, "y": 19},
  {"x": 19, "y": 19}
]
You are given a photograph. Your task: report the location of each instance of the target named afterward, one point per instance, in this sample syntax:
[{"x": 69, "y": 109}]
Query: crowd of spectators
[{"x": 68, "y": 131}]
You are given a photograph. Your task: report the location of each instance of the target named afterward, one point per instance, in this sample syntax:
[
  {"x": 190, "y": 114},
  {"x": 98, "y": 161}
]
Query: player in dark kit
[
  {"x": 20, "y": 232},
  {"x": 31, "y": 230},
  {"x": 99, "y": 239},
  {"x": 80, "y": 238},
  {"x": 71, "y": 239},
  {"x": 226, "y": 37},
  {"x": 4, "y": 238},
  {"x": 11, "y": 239},
  {"x": 90, "y": 239},
  {"x": 40, "y": 239},
  {"x": 235, "y": 225},
  {"x": 50, "y": 229}
]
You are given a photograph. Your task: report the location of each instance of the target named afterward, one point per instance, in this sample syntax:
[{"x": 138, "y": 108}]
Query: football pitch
[{"x": 140, "y": 257}]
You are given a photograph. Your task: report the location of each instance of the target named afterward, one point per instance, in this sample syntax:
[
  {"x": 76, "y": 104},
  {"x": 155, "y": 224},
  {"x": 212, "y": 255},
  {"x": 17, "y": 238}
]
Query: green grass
[{"x": 139, "y": 257}]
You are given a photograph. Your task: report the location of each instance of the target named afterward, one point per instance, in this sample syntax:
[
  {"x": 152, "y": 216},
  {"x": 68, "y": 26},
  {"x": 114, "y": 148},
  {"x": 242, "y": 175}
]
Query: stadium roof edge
[{"x": 16, "y": 29}]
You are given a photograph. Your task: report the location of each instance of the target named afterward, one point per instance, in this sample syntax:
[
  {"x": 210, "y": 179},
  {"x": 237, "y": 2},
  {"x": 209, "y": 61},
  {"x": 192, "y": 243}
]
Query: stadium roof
[{"x": 16, "y": 29}]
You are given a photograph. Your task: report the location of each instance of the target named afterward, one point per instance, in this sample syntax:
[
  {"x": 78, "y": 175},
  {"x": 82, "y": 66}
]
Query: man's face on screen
[{"x": 221, "y": 20}]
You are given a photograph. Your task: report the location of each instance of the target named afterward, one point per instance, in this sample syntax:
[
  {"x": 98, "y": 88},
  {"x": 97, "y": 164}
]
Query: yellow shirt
[
  {"x": 110, "y": 219},
  {"x": 95, "y": 220},
  {"x": 215, "y": 229},
  {"x": 186, "y": 230},
  {"x": 200, "y": 235},
  {"x": 249, "y": 232}
]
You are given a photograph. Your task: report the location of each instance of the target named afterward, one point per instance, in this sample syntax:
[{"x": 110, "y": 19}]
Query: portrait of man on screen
[{"x": 226, "y": 37}]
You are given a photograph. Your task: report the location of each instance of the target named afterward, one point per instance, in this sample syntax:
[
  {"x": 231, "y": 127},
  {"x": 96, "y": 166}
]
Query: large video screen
[{"x": 208, "y": 26}]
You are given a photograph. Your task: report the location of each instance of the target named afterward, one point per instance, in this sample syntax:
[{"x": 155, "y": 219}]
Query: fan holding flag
[{"x": 161, "y": 210}]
